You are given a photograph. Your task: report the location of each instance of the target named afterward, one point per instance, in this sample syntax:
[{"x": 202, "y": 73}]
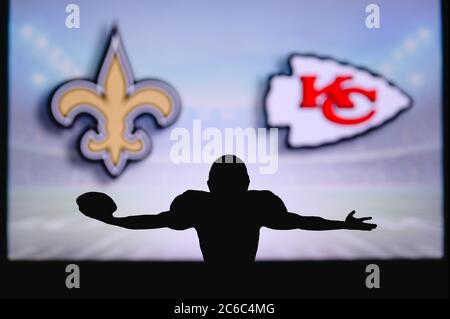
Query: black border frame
[{"x": 289, "y": 280}]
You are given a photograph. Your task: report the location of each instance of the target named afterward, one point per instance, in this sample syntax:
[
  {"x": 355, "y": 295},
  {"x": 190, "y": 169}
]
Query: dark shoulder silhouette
[{"x": 227, "y": 219}]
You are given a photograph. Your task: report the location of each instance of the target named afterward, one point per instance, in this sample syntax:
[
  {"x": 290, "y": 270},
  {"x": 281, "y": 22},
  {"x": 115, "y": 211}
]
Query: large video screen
[{"x": 333, "y": 106}]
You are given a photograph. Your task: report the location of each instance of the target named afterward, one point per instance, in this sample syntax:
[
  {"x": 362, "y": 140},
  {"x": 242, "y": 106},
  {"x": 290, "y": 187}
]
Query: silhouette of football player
[{"x": 227, "y": 219}]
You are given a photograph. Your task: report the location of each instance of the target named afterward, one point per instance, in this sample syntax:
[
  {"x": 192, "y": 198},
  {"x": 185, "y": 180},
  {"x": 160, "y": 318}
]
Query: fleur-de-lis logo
[{"x": 115, "y": 101}]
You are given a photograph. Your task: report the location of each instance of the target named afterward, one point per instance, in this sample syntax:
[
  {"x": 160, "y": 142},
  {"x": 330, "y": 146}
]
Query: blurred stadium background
[{"x": 219, "y": 56}]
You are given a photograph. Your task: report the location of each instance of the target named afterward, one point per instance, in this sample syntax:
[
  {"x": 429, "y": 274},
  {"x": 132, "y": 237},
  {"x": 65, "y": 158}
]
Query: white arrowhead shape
[{"x": 308, "y": 127}]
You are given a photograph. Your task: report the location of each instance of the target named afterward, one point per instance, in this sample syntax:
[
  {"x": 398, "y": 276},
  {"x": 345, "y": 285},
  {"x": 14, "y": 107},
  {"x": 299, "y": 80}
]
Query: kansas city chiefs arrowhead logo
[{"x": 325, "y": 101}]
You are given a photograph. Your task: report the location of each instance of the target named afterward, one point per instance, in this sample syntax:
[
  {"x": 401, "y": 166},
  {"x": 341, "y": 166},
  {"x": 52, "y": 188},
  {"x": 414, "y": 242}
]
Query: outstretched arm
[
  {"x": 101, "y": 207},
  {"x": 294, "y": 221},
  {"x": 143, "y": 221}
]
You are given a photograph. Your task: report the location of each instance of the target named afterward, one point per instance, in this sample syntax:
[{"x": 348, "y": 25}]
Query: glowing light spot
[
  {"x": 27, "y": 31},
  {"x": 416, "y": 79},
  {"x": 38, "y": 79},
  {"x": 41, "y": 42},
  {"x": 424, "y": 34},
  {"x": 410, "y": 45},
  {"x": 55, "y": 53}
]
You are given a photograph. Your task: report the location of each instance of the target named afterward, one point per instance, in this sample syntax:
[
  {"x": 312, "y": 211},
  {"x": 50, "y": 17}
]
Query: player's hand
[
  {"x": 96, "y": 205},
  {"x": 352, "y": 222}
]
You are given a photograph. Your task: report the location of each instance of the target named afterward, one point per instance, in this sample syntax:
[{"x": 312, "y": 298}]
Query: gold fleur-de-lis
[{"x": 116, "y": 101}]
